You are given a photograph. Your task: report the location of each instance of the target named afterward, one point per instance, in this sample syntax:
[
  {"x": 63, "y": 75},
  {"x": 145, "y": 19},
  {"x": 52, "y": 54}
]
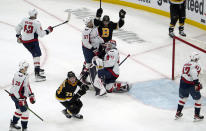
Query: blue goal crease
[{"x": 161, "y": 93}]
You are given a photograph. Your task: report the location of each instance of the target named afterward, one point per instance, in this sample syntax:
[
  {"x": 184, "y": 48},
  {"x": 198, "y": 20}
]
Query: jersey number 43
[{"x": 28, "y": 28}]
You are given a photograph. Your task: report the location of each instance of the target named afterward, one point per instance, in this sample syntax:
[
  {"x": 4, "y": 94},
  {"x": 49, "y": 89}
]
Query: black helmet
[
  {"x": 70, "y": 74},
  {"x": 106, "y": 18}
]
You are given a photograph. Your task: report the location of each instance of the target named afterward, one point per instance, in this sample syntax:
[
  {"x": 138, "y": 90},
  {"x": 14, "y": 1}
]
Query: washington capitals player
[
  {"x": 28, "y": 31},
  {"x": 19, "y": 91},
  {"x": 90, "y": 45},
  {"x": 108, "y": 69},
  {"x": 189, "y": 84}
]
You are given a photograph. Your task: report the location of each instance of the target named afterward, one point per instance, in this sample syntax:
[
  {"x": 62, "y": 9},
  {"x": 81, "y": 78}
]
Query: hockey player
[
  {"x": 69, "y": 95},
  {"x": 108, "y": 69},
  {"x": 90, "y": 45},
  {"x": 28, "y": 31},
  {"x": 106, "y": 27},
  {"x": 19, "y": 92},
  {"x": 189, "y": 84},
  {"x": 177, "y": 12}
]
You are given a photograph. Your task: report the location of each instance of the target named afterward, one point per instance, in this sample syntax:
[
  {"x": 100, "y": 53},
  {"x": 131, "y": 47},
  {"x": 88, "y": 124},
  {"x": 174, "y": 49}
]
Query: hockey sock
[
  {"x": 197, "y": 107},
  {"x": 179, "y": 108},
  {"x": 24, "y": 119},
  {"x": 36, "y": 64},
  {"x": 24, "y": 124},
  {"x": 15, "y": 120}
]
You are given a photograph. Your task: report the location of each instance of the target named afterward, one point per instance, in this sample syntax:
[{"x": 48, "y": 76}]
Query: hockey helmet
[
  {"x": 23, "y": 64},
  {"x": 110, "y": 45},
  {"x": 106, "y": 18},
  {"x": 194, "y": 56},
  {"x": 33, "y": 12},
  {"x": 70, "y": 74},
  {"x": 87, "y": 20}
]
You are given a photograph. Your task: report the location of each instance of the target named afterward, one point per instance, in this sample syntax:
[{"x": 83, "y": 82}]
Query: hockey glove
[
  {"x": 49, "y": 30},
  {"x": 18, "y": 36},
  {"x": 75, "y": 98},
  {"x": 95, "y": 51},
  {"x": 22, "y": 102},
  {"x": 32, "y": 98},
  {"x": 198, "y": 87},
  {"x": 122, "y": 14},
  {"x": 84, "y": 87},
  {"x": 99, "y": 12}
]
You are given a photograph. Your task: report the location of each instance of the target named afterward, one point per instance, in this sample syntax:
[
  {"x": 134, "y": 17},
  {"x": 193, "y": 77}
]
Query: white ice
[{"x": 150, "y": 60}]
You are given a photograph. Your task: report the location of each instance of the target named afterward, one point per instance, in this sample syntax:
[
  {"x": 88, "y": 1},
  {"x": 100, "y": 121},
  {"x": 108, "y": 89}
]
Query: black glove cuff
[
  {"x": 196, "y": 82},
  {"x": 47, "y": 32},
  {"x": 17, "y": 35}
]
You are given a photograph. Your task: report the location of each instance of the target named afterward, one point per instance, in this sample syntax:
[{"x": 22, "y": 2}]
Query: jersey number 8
[{"x": 105, "y": 32}]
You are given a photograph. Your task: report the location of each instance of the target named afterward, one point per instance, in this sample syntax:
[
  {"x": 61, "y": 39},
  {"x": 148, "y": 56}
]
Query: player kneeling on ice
[
  {"x": 19, "y": 92},
  {"x": 189, "y": 84},
  {"x": 108, "y": 69},
  {"x": 69, "y": 95}
]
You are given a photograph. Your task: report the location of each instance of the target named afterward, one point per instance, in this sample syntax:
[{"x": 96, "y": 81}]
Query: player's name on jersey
[{"x": 127, "y": 36}]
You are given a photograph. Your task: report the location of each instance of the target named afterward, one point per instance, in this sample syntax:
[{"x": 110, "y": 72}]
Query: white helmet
[
  {"x": 33, "y": 12},
  {"x": 88, "y": 19},
  {"x": 194, "y": 56},
  {"x": 23, "y": 64}
]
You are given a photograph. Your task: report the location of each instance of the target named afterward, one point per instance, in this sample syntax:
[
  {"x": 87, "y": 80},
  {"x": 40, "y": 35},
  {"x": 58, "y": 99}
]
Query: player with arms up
[
  {"x": 19, "y": 92},
  {"x": 28, "y": 31},
  {"x": 189, "y": 84},
  {"x": 106, "y": 27},
  {"x": 108, "y": 69},
  {"x": 69, "y": 95}
]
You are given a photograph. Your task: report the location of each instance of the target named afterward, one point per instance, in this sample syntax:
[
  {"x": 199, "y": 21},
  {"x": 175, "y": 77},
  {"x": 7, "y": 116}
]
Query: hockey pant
[
  {"x": 73, "y": 107},
  {"x": 21, "y": 112}
]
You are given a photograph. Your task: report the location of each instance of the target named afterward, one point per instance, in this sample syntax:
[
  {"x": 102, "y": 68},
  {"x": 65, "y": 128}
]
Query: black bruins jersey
[
  {"x": 106, "y": 32},
  {"x": 66, "y": 90}
]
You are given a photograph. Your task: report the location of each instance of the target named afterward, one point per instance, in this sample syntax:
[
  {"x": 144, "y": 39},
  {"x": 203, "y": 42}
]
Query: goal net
[{"x": 182, "y": 49}]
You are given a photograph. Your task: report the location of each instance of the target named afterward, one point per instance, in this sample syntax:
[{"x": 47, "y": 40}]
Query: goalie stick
[
  {"x": 67, "y": 20},
  {"x": 27, "y": 108}
]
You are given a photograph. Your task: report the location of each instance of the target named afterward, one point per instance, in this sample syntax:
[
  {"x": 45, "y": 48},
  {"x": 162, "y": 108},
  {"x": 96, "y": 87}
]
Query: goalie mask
[
  {"x": 194, "y": 57},
  {"x": 110, "y": 45},
  {"x": 89, "y": 21}
]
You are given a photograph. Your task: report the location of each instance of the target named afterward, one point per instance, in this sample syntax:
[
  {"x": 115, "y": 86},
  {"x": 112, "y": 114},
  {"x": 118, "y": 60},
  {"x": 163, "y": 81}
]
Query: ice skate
[
  {"x": 198, "y": 117},
  {"x": 14, "y": 127},
  {"x": 178, "y": 115},
  {"x": 41, "y": 71},
  {"x": 24, "y": 129},
  {"x": 66, "y": 113},
  {"x": 78, "y": 116},
  {"x": 182, "y": 33},
  {"x": 39, "y": 78}
]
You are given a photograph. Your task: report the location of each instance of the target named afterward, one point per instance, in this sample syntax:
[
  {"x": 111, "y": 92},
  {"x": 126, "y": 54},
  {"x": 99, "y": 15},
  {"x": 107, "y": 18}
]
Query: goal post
[{"x": 186, "y": 51}]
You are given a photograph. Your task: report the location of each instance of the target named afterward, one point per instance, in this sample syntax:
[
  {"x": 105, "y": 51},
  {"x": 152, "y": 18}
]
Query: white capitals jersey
[
  {"x": 91, "y": 38},
  {"x": 30, "y": 30},
  {"x": 191, "y": 71},
  {"x": 20, "y": 85},
  {"x": 111, "y": 59}
]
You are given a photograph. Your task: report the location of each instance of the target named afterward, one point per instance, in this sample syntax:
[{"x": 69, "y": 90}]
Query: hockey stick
[
  {"x": 27, "y": 107},
  {"x": 124, "y": 59},
  {"x": 100, "y": 3},
  {"x": 67, "y": 20}
]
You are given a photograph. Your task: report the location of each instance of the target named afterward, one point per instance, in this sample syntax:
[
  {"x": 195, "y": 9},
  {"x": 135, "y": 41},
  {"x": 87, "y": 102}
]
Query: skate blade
[
  {"x": 197, "y": 120},
  {"x": 40, "y": 80}
]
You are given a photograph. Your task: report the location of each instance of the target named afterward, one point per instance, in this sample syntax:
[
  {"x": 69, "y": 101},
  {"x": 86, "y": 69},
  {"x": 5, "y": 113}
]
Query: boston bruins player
[
  {"x": 106, "y": 27},
  {"x": 177, "y": 12},
  {"x": 69, "y": 95}
]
